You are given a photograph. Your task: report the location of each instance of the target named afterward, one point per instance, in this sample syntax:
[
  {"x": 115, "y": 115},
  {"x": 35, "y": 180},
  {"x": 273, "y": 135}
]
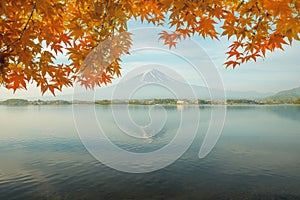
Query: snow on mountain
[
  {"x": 154, "y": 83},
  {"x": 153, "y": 76}
]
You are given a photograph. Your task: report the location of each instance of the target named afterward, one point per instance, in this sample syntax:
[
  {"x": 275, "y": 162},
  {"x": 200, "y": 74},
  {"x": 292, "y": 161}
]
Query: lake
[{"x": 256, "y": 157}]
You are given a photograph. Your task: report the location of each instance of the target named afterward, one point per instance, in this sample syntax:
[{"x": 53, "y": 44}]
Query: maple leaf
[
  {"x": 276, "y": 41},
  {"x": 280, "y": 7},
  {"x": 56, "y": 47},
  {"x": 253, "y": 56},
  {"x": 77, "y": 27},
  {"x": 16, "y": 80},
  {"x": 169, "y": 39},
  {"x": 231, "y": 63},
  {"x": 234, "y": 53},
  {"x": 52, "y": 88},
  {"x": 164, "y": 35},
  {"x": 65, "y": 38}
]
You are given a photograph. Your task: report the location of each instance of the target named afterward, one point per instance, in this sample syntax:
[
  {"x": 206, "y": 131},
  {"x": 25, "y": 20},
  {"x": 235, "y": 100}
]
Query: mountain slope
[
  {"x": 148, "y": 85},
  {"x": 286, "y": 96},
  {"x": 156, "y": 84}
]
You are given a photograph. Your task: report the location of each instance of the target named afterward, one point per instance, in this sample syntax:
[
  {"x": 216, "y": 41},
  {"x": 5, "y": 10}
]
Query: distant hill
[
  {"x": 25, "y": 102},
  {"x": 286, "y": 96},
  {"x": 14, "y": 102}
]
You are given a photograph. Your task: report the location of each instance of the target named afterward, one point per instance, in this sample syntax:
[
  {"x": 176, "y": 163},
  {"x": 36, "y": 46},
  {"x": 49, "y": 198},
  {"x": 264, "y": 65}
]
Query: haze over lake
[{"x": 256, "y": 156}]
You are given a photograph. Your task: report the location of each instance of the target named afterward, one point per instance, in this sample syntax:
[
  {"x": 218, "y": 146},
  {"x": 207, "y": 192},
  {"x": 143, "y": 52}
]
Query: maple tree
[{"x": 93, "y": 34}]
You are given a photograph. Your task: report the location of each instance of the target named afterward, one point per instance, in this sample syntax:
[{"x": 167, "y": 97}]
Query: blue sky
[{"x": 280, "y": 70}]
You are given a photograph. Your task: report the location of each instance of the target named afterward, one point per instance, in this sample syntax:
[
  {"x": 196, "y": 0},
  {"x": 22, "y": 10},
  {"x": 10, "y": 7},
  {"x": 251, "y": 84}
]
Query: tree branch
[{"x": 22, "y": 32}]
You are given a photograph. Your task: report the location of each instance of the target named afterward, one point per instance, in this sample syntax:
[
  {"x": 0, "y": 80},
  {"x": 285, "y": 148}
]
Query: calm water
[{"x": 256, "y": 157}]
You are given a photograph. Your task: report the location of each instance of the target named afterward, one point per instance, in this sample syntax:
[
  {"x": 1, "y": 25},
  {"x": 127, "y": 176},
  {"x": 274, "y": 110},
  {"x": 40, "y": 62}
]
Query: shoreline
[{"x": 148, "y": 102}]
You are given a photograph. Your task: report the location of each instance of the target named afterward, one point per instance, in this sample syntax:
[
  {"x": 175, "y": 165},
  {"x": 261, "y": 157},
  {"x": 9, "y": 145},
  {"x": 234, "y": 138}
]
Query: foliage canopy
[{"x": 34, "y": 32}]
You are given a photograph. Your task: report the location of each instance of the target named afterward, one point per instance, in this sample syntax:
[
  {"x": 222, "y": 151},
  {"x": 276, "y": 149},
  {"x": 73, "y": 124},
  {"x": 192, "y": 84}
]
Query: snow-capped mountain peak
[{"x": 153, "y": 76}]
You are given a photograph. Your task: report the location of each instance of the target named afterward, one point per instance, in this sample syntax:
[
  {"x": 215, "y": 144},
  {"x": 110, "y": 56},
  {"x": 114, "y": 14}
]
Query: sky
[{"x": 280, "y": 70}]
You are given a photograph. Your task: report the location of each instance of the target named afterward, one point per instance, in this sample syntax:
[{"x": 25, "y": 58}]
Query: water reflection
[
  {"x": 257, "y": 157},
  {"x": 290, "y": 112}
]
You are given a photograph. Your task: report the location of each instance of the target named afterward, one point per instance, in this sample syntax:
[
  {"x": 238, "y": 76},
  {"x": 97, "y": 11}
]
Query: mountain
[
  {"x": 148, "y": 85},
  {"x": 154, "y": 83},
  {"x": 286, "y": 96}
]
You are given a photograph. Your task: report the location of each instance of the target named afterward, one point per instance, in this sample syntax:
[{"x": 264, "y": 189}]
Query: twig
[{"x": 22, "y": 32}]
